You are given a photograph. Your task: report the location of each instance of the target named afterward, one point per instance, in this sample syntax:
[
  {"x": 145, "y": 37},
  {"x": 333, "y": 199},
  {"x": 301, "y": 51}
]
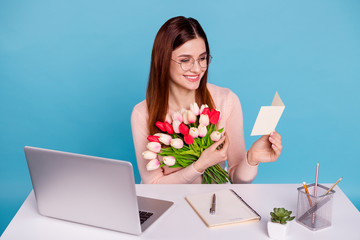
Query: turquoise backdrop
[{"x": 71, "y": 72}]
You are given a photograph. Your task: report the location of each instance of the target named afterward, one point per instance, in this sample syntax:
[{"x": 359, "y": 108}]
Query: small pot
[{"x": 277, "y": 230}]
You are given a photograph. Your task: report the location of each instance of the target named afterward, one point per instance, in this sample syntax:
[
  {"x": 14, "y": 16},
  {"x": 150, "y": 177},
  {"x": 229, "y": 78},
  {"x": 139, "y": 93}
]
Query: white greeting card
[{"x": 268, "y": 117}]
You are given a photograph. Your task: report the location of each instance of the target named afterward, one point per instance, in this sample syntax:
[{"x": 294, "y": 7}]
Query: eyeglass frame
[{"x": 209, "y": 58}]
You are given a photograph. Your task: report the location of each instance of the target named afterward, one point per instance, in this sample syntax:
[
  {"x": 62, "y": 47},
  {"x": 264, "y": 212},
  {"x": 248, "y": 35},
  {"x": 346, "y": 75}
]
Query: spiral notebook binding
[{"x": 246, "y": 203}]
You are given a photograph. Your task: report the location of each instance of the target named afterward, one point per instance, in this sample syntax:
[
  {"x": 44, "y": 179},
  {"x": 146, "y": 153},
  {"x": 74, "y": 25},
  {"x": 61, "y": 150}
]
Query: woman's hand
[
  {"x": 265, "y": 149},
  {"x": 212, "y": 156}
]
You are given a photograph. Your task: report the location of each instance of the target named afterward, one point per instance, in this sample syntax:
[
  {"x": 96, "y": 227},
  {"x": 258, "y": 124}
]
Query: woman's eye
[
  {"x": 184, "y": 60},
  {"x": 203, "y": 59}
]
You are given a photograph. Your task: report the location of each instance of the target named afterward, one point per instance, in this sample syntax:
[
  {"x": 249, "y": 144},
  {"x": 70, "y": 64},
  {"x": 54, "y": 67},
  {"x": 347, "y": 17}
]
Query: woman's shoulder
[
  {"x": 139, "y": 110},
  {"x": 221, "y": 93},
  {"x": 140, "y": 107}
]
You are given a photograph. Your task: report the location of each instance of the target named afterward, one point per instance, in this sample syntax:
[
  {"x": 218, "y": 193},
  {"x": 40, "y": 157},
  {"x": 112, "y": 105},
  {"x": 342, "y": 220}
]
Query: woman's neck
[{"x": 180, "y": 98}]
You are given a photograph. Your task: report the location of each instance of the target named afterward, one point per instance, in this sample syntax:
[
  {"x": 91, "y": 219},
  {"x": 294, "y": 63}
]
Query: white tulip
[
  {"x": 154, "y": 146},
  {"x": 194, "y": 132},
  {"x": 215, "y": 136},
  {"x": 168, "y": 118},
  {"x": 185, "y": 117},
  {"x": 169, "y": 160},
  {"x": 177, "y": 143},
  {"x": 202, "y": 130},
  {"x": 149, "y": 155},
  {"x": 195, "y": 108},
  {"x": 176, "y": 125},
  {"x": 204, "y": 119},
  {"x": 152, "y": 165},
  {"x": 165, "y": 139}
]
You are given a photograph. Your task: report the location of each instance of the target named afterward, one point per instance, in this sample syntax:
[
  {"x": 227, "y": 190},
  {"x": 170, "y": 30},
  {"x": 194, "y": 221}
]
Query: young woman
[{"x": 178, "y": 77}]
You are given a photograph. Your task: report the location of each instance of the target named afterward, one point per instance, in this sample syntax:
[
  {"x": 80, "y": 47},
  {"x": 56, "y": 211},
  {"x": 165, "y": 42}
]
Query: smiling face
[{"x": 187, "y": 80}]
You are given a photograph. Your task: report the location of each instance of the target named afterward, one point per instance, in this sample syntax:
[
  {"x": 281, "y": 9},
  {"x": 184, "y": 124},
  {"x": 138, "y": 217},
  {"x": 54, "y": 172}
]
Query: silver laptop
[{"x": 90, "y": 190}]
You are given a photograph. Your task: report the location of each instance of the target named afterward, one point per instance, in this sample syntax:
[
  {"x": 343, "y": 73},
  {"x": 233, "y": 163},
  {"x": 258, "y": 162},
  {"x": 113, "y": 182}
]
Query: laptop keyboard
[{"x": 144, "y": 216}]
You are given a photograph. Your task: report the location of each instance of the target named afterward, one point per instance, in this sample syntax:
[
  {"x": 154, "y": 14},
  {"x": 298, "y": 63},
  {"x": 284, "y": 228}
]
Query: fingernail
[
  {"x": 273, "y": 146},
  {"x": 271, "y": 139},
  {"x": 272, "y": 133}
]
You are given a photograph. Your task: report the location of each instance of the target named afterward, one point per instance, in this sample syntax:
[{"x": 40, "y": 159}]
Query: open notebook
[{"x": 230, "y": 208}]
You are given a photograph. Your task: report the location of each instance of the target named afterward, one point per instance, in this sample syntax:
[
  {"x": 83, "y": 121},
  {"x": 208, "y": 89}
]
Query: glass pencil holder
[{"x": 313, "y": 212}]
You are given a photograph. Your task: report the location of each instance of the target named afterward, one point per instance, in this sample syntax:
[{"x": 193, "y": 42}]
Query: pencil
[
  {"x": 332, "y": 187},
  {"x": 307, "y": 193}
]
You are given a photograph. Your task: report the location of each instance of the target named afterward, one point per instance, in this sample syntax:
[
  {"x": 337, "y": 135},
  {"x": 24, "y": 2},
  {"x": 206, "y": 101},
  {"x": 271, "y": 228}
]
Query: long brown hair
[{"x": 174, "y": 33}]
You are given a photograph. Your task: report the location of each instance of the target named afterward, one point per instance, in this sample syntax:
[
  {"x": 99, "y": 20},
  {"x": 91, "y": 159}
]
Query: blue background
[{"x": 71, "y": 72}]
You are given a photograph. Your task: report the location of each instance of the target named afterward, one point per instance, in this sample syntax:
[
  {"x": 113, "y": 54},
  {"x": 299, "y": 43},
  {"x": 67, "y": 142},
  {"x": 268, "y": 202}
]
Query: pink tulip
[
  {"x": 177, "y": 143},
  {"x": 153, "y": 138},
  {"x": 169, "y": 129},
  {"x": 194, "y": 132},
  {"x": 176, "y": 125},
  {"x": 195, "y": 109},
  {"x": 204, "y": 119},
  {"x": 161, "y": 126},
  {"x": 191, "y": 117},
  {"x": 202, "y": 130},
  {"x": 149, "y": 155},
  {"x": 215, "y": 136},
  {"x": 154, "y": 146},
  {"x": 152, "y": 165},
  {"x": 177, "y": 116},
  {"x": 203, "y": 107},
  {"x": 183, "y": 129},
  {"x": 188, "y": 139},
  {"x": 214, "y": 116},
  {"x": 165, "y": 139},
  {"x": 169, "y": 160}
]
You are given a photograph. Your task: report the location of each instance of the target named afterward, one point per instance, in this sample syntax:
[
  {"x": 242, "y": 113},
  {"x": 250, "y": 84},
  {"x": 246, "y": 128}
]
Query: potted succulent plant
[{"x": 277, "y": 225}]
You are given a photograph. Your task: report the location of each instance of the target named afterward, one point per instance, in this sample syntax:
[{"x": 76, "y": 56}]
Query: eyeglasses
[{"x": 188, "y": 63}]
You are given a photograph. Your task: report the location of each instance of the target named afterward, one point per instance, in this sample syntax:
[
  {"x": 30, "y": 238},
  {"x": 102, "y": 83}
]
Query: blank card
[{"x": 268, "y": 117}]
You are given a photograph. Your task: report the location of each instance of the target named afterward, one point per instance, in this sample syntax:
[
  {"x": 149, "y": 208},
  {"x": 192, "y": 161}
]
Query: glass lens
[
  {"x": 203, "y": 62},
  {"x": 187, "y": 64}
]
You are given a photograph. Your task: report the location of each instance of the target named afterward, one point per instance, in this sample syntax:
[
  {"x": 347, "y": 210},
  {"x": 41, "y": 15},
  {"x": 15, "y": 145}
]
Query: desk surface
[{"x": 181, "y": 222}]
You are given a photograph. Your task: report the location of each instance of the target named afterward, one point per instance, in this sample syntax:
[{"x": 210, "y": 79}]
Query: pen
[
  {"x": 307, "y": 193},
  {"x": 213, "y": 204},
  {"x": 332, "y": 187},
  {"x": 321, "y": 202}
]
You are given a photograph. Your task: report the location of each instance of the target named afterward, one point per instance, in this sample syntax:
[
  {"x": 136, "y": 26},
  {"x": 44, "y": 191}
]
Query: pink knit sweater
[{"x": 231, "y": 119}]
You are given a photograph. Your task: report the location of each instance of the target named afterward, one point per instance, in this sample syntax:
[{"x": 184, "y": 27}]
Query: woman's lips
[{"x": 192, "y": 78}]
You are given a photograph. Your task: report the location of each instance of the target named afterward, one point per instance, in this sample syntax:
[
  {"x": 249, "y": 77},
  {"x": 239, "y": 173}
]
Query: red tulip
[
  {"x": 214, "y": 116},
  {"x": 188, "y": 139},
  {"x": 183, "y": 129},
  {"x": 168, "y": 128},
  {"x": 161, "y": 126},
  {"x": 205, "y": 111},
  {"x": 153, "y": 138}
]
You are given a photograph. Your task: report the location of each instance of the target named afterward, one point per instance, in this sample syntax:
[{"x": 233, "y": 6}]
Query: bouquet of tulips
[{"x": 184, "y": 136}]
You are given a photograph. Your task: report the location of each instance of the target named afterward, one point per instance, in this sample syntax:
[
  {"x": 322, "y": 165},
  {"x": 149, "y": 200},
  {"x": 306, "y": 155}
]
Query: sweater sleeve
[
  {"x": 140, "y": 133},
  {"x": 240, "y": 170}
]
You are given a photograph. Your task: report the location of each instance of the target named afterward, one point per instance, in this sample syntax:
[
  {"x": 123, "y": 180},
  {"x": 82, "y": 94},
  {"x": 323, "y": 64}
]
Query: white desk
[{"x": 181, "y": 222}]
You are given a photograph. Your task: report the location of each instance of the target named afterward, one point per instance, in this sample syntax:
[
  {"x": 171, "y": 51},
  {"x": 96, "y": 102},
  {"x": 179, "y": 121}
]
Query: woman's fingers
[
  {"x": 218, "y": 143},
  {"x": 276, "y": 140},
  {"x": 277, "y": 151},
  {"x": 276, "y": 143}
]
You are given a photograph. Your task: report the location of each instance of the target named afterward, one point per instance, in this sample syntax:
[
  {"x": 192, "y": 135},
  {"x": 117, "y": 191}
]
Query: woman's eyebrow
[{"x": 188, "y": 55}]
